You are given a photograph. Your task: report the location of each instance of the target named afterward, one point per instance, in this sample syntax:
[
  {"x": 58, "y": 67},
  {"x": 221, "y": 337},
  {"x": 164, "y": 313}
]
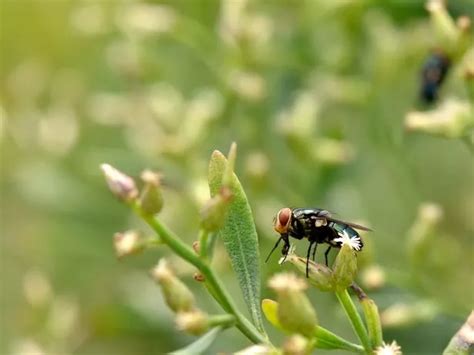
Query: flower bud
[
  {"x": 197, "y": 247},
  {"x": 199, "y": 277},
  {"x": 193, "y": 322},
  {"x": 320, "y": 276},
  {"x": 452, "y": 119},
  {"x": 423, "y": 230},
  {"x": 373, "y": 277},
  {"x": 345, "y": 267},
  {"x": 121, "y": 185},
  {"x": 372, "y": 317},
  {"x": 401, "y": 314},
  {"x": 177, "y": 295},
  {"x": 151, "y": 199},
  {"x": 296, "y": 345},
  {"x": 259, "y": 349},
  {"x": 128, "y": 243},
  {"x": 215, "y": 210},
  {"x": 295, "y": 312}
]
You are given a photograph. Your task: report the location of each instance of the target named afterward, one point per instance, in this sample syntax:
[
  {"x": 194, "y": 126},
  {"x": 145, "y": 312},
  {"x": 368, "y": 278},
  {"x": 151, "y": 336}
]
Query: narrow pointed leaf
[
  {"x": 201, "y": 345},
  {"x": 240, "y": 237}
]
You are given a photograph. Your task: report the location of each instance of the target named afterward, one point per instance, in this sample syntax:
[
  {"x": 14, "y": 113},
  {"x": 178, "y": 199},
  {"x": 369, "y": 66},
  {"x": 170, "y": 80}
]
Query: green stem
[
  {"x": 326, "y": 339},
  {"x": 203, "y": 241},
  {"x": 223, "y": 320},
  {"x": 354, "y": 317},
  {"x": 184, "y": 251}
]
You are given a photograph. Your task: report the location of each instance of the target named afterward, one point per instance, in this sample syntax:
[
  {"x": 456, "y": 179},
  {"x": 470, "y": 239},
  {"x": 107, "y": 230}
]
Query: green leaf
[
  {"x": 201, "y": 344},
  {"x": 239, "y": 236}
]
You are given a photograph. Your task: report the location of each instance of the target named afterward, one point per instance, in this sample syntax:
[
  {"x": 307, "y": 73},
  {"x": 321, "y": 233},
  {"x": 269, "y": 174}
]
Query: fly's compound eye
[{"x": 282, "y": 221}]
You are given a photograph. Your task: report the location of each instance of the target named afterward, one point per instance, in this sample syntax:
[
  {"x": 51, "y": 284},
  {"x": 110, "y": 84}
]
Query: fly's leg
[
  {"x": 274, "y": 247},
  {"x": 326, "y": 255},
  {"x": 307, "y": 259},
  {"x": 285, "y": 250},
  {"x": 314, "y": 252}
]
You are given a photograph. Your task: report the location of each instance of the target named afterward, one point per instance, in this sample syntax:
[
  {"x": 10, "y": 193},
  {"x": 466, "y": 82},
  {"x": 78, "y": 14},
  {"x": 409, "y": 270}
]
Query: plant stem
[
  {"x": 460, "y": 344},
  {"x": 203, "y": 241},
  {"x": 184, "y": 251},
  {"x": 223, "y": 320},
  {"x": 354, "y": 317}
]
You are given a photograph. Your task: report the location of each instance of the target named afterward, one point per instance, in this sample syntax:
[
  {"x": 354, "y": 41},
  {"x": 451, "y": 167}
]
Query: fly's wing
[{"x": 353, "y": 225}]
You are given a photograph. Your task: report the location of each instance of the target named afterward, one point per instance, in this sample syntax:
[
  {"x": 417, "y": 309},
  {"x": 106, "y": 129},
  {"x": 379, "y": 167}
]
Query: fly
[{"x": 315, "y": 224}]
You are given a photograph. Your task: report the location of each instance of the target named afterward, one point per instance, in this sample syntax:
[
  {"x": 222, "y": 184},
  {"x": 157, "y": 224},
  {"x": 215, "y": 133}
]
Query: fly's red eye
[{"x": 284, "y": 216}]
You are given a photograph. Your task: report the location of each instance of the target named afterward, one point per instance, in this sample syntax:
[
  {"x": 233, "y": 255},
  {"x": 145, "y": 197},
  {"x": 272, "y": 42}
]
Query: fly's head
[{"x": 282, "y": 221}]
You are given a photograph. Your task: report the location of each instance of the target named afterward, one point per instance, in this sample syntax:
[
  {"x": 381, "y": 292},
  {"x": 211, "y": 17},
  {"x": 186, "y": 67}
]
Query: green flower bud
[
  {"x": 214, "y": 212},
  {"x": 372, "y": 317},
  {"x": 193, "y": 322},
  {"x": 128, "y": 243},
  {"x": 151, "y": 199},
  {"x": 320, "y": 276},
  {"x": 345, "y": 267},
  {"x": 177, "y": 295},
  {"x": 295, "y": 312},
  {"x": 121, "y": 185},
  {"x": 296, "y": 345}
]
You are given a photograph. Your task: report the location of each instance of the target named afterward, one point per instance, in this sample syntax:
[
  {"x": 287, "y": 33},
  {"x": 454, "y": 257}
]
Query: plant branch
[
  {"x": 356, "y": 321},
  {"x": 219, "y": 292}
]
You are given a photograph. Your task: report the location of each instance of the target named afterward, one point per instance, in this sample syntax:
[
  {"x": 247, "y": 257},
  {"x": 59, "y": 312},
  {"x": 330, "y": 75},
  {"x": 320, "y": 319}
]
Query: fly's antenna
[{"x": 276, "y": 246}]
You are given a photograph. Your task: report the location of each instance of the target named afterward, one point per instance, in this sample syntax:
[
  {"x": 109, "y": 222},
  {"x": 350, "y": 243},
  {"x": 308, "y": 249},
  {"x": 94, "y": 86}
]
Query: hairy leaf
[{"x": 239, "y": 236}]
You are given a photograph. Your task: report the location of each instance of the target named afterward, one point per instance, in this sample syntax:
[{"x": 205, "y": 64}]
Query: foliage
[{"x": 322, "y": 97}]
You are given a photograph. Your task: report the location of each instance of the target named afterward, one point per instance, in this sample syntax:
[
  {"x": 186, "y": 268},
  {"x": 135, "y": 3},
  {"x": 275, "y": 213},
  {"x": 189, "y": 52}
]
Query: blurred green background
[{"x": 313, "y": 92}]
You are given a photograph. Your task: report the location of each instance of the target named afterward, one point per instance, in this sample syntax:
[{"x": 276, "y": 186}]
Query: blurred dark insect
[{"x": 433, "y": 74}]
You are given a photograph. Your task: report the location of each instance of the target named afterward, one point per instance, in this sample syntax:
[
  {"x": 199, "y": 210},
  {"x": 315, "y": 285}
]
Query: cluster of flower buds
[
  {"x": 180, "y": 299},
  {"x": 125, "y": 188}
]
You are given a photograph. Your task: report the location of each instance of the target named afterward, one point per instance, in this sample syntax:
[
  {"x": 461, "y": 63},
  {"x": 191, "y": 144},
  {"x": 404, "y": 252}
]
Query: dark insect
[
  {"x": 315, "y": 224},
  {"x": 433, "y": 74}
]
